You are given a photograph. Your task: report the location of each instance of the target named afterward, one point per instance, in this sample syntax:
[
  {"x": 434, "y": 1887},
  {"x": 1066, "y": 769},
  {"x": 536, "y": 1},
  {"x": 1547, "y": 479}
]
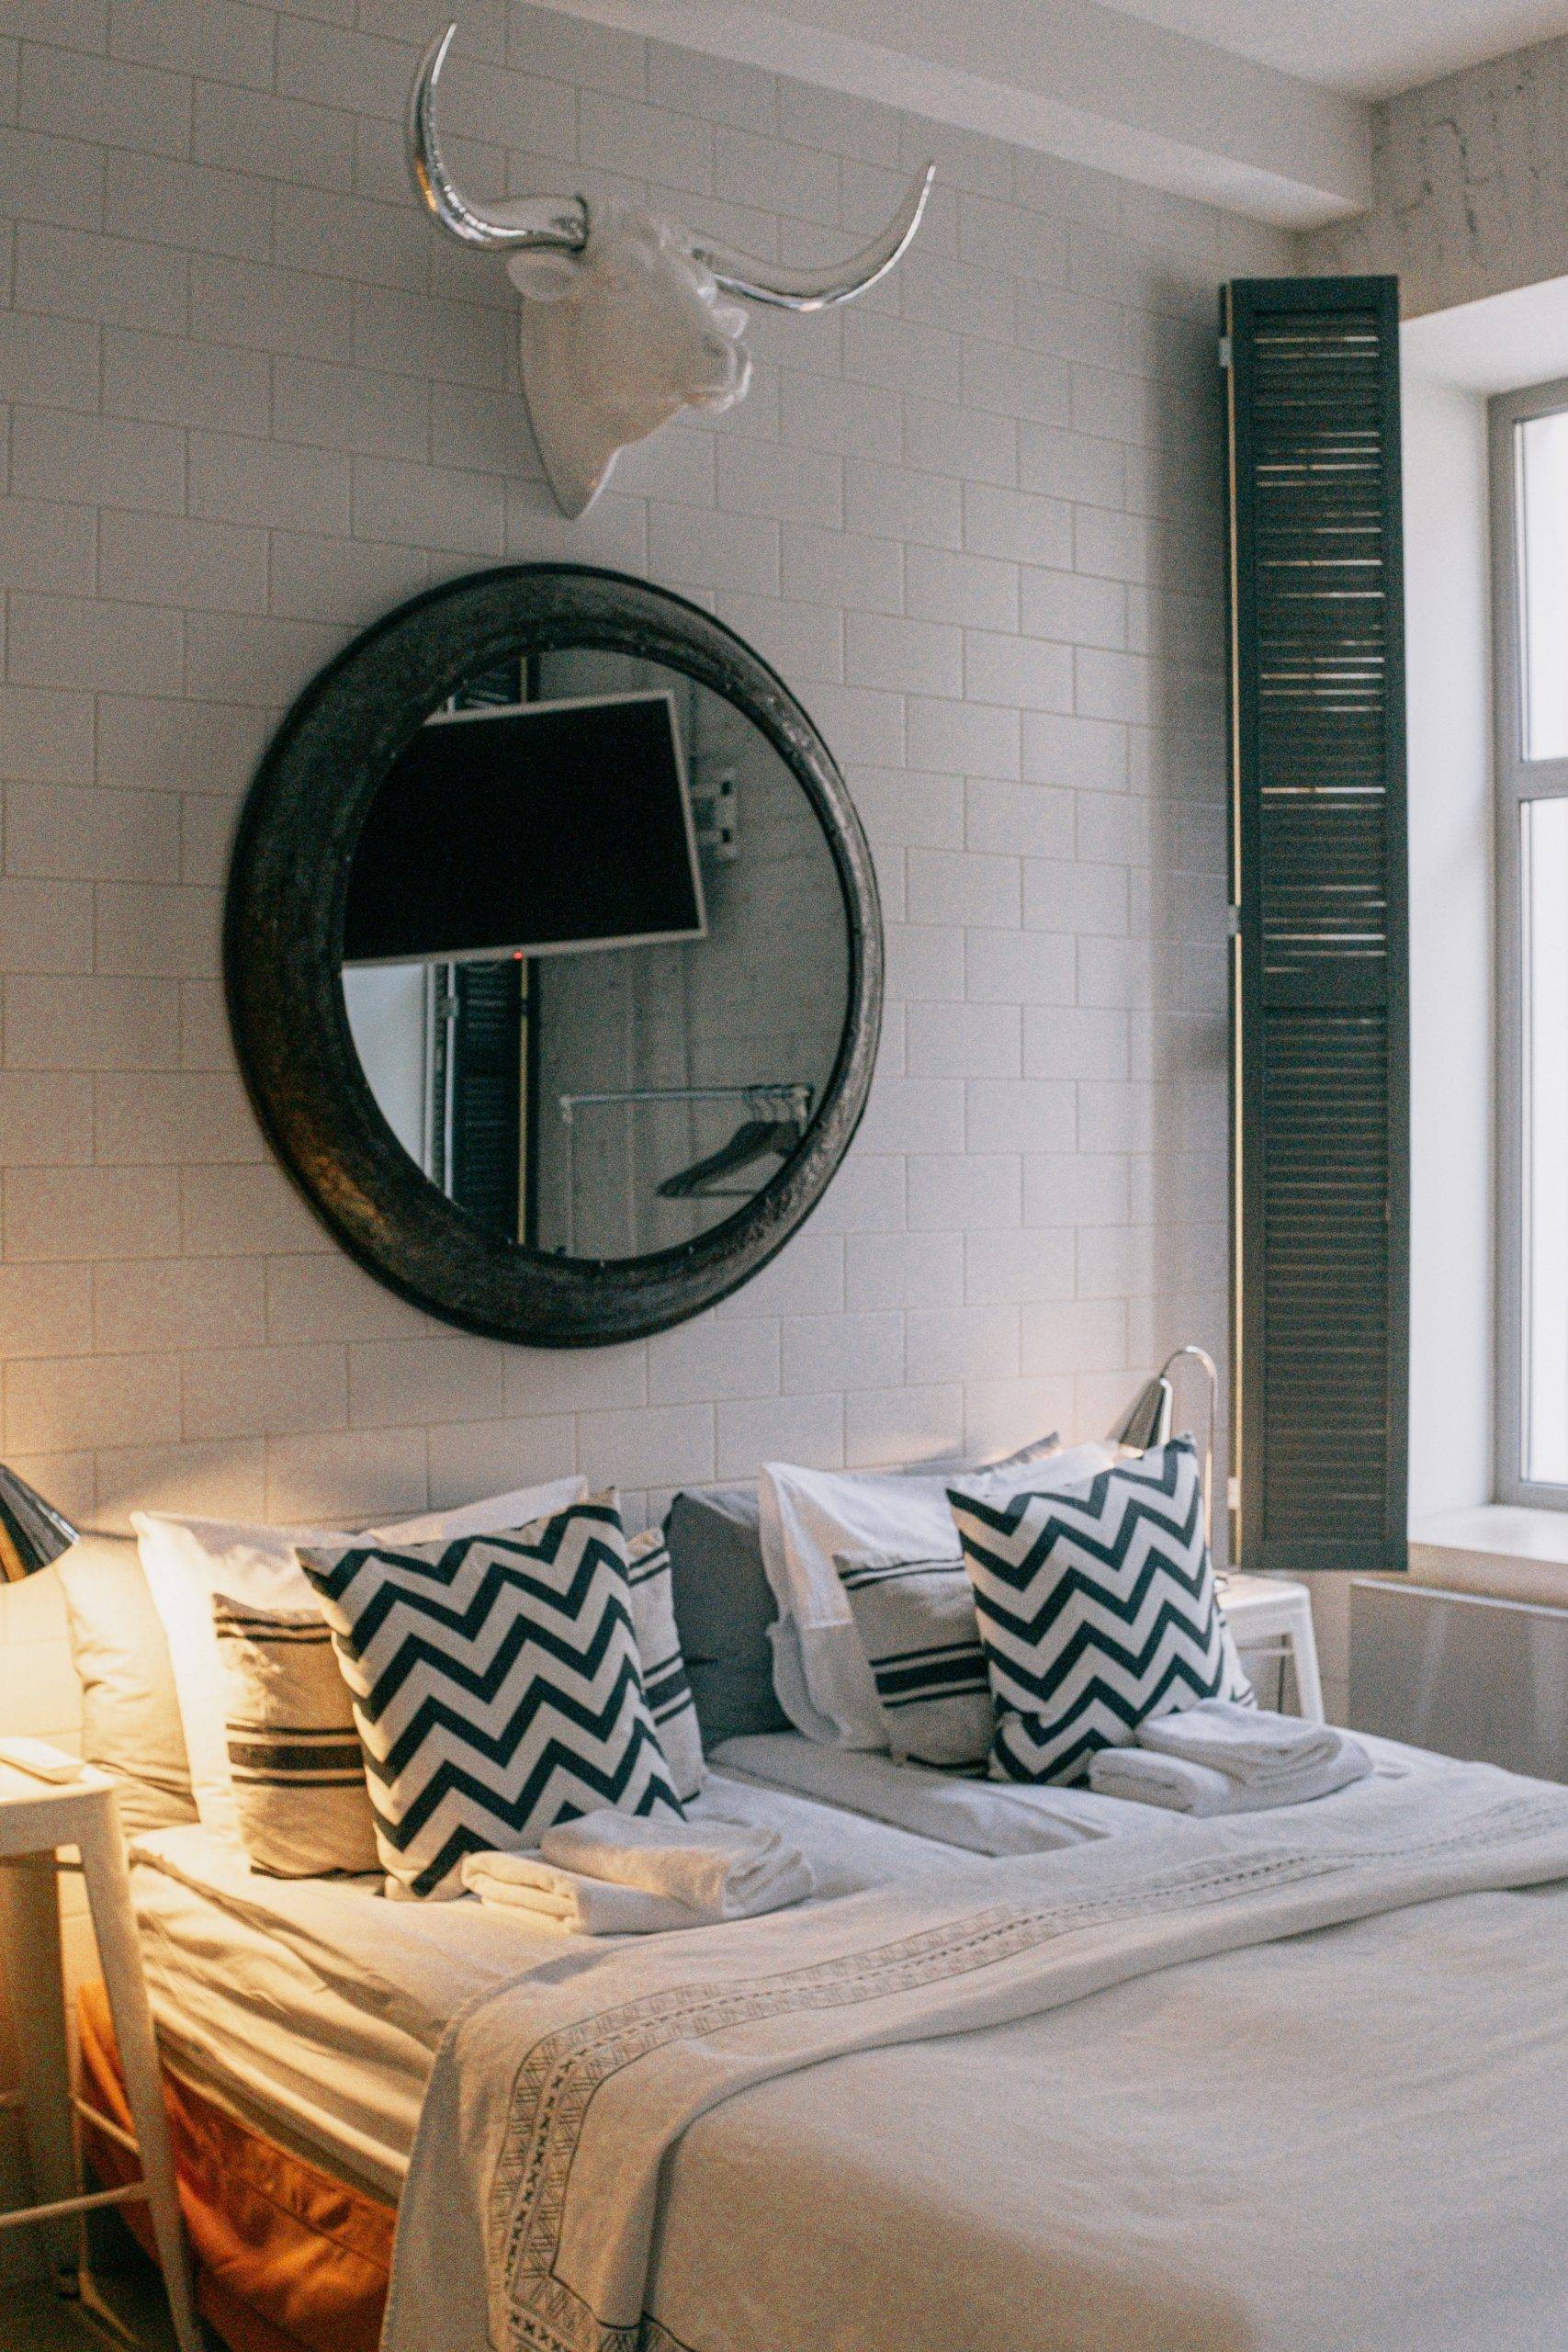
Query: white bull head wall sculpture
[{"x": 624, "y": 321}]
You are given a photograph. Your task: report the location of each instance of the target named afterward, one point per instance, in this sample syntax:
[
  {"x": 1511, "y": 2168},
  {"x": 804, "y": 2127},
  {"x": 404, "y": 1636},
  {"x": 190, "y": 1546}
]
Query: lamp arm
[{"x": 1212, "y": 1373}]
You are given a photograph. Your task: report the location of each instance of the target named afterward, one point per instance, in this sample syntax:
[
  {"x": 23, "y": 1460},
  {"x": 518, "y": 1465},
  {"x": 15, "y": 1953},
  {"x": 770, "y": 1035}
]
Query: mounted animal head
[{"x": 624, "y": 321}]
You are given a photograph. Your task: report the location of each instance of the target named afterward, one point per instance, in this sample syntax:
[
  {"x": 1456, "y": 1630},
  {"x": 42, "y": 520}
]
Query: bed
[
  {"x": 1347, "y": 2130},
  {"x": 1037, "y": 2070},
  {"x": 294, "y": 2109}
]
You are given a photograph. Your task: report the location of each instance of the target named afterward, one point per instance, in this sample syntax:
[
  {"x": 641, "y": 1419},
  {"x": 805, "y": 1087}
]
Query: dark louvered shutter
[
  {"x": 487, "y": 1092},
  {"x": 1318, "y": 878}
]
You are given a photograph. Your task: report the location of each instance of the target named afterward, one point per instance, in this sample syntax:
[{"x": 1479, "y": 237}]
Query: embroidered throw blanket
[{"x": 528, "y": 2223}]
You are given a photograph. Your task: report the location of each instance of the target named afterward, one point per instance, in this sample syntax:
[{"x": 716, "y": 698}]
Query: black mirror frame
[{"x": 283, "y": 933}]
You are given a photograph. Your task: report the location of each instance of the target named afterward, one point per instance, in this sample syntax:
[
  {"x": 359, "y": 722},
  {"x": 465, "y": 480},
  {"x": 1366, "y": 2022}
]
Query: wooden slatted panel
[
  {"x": 487, "y": 1041},
  {"x": 1318, "y": 878},
  {"x": 487, "y": 1092},
  {"x": 1324, "y": 1272}
]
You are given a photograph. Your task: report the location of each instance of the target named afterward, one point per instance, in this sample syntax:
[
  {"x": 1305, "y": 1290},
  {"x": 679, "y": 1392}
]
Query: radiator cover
[{"x": 1461, "y": 1673}]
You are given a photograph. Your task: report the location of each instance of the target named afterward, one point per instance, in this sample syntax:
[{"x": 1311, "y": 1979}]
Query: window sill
[{"x": 1501, "y": 1549}]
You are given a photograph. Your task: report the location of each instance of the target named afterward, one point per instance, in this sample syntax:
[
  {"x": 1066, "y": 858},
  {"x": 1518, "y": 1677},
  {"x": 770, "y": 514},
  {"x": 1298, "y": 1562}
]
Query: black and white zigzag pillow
[
  {"x": 497, "y": 1688},
  {"x": 669, "y": 1698},
  {"x": 1097, "y": 1607}
]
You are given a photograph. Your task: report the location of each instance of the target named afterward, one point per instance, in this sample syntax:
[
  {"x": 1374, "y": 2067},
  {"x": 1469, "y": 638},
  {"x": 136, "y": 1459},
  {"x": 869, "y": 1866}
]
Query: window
[{"x": 1529, "y": 478}]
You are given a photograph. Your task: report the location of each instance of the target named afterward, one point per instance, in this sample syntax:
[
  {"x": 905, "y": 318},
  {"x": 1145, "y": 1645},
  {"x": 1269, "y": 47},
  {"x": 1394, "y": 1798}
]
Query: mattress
[{"x": 246, "y": 2020}]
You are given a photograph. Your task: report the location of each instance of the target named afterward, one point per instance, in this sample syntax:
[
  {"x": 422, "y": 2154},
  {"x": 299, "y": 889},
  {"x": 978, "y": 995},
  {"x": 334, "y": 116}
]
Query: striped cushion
[
  {"x": 294, "y": 1755},
  {"x": 664, "y": 1666},
  {"x": 916, "y": 1621},
  {"x": 1097, "y": 1607},
  {"x": 496, "y": 1687}
]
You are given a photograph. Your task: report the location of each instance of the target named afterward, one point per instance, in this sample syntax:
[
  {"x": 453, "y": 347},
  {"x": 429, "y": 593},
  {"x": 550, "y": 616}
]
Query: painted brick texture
[{"x": 249, "y": 398}]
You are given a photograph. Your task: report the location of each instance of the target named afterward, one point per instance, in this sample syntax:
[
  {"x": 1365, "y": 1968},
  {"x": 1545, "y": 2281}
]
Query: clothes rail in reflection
[{"x": 779, "y": 1112}]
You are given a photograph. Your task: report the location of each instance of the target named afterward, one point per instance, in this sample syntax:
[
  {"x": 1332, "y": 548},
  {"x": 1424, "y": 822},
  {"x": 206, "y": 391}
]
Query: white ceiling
[
  {"x": 1094, "y": 84},
  {"x": 1257, "y": 104},
  {"x": 1367, "y": 48}
]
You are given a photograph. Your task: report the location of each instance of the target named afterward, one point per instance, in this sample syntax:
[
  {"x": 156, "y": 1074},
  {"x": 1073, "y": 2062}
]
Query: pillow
[
  {"x": 496, "y": 1687},
  {"x": 294, "y": 1755},
  {"x": 1097, "y": 1607},
  {"x": 495, "y": 1515},
  {"x": 724, "y": 1606},
  {"x": 189, "y": 1560},
  {"x": 810, "y": 1516},
  {"x": 663, "y": 1667},
  {"x": 130, "y": 1713},
  {"x": 294, "y": 1758},
  {"x": 915, "y": 1623}
]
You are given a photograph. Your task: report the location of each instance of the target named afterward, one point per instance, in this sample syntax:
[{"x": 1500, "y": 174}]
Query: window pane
[
  {"x": 1545, "y": 1220},
  {"x": 1543, "y": 583}
]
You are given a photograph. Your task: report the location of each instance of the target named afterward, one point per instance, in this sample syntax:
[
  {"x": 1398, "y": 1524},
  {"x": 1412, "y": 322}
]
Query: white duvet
[{"x": 1313, "y": 2100}]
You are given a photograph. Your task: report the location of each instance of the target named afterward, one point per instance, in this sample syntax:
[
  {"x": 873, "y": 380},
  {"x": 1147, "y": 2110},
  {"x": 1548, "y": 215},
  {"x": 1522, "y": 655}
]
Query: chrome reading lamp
[
  {"x": 32, "y": 1532},
  {"x": 1148, "y": 1420}
]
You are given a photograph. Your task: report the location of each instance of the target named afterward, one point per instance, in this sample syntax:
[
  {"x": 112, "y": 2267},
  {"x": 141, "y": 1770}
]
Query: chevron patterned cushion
[
  {"x": 1097, "y": 1607},
  {"x": 496, "y": 1686},
  {"x": 664, "y": 1666}
]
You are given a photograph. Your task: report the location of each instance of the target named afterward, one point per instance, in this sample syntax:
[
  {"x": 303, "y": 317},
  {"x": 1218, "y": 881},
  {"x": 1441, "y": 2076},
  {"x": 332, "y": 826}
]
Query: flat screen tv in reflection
[{"x": 534, "y": 829}]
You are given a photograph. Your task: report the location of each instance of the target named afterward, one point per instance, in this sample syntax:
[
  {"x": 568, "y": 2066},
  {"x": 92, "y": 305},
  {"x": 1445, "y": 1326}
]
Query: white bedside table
[
  {"x": 1274, "y": 1614},
  {"x": 36, "y": 1818}
]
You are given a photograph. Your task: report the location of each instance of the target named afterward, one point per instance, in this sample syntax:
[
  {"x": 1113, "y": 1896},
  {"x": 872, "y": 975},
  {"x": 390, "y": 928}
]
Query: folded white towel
[
  {"x": 1179, "y": 1785},
  {"x": 565, "y": 1903},
  {"x": 608, "y": 1874},
  {"x": 1258, "y": 1750}
]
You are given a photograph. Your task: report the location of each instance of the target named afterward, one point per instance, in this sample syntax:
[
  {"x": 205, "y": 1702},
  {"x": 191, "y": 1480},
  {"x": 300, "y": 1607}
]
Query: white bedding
[
  {"x": 1350, "y": 2139},
  {"x": 994, "y": 1817},
  {"x": 1214, "y": 2093},
  {"x": 244, "y": 2018},
  {"x": 313, "y": 2006}
]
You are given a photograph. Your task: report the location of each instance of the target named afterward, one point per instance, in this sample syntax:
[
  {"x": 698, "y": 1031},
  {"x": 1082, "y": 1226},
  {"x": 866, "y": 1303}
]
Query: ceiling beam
[{"x": 1068, "y": 77}]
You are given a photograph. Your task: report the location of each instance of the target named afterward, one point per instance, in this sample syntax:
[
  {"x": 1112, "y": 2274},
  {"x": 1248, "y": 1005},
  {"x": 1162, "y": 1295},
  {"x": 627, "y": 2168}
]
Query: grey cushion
[
  {"x": 724, "y": 1606},
  {"x": 130, "y": 1714}
]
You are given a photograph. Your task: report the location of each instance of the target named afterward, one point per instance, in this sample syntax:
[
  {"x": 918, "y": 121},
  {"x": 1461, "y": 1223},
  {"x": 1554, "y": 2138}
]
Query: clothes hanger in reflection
[{"x": 754, "y": 1139}]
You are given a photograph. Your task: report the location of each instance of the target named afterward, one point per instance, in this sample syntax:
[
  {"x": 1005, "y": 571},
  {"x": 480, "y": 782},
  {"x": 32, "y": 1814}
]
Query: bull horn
[
  {"x": 818, "y": 289},
  {"x": 551, "y": 221}
]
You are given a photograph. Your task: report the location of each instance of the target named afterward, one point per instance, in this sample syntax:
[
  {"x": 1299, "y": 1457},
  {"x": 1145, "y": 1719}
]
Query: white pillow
[
  {"x": 186, "y": 1561},
  {"x": 820, "y": 1671},
  {"x": 497, "y": 1515}
]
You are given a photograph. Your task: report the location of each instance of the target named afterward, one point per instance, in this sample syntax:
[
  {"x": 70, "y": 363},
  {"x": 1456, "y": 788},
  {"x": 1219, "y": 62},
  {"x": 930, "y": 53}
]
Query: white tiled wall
[{"x": 250, "y": 399}]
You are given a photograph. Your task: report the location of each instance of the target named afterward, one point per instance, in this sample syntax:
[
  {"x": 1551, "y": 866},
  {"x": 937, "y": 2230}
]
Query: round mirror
[{"x": 554, "y": 955}]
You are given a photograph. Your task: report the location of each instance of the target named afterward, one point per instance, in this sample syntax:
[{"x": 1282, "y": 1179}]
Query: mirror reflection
[{"x": 596, "y": 955}]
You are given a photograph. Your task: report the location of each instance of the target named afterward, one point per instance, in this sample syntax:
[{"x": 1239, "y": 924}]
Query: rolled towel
[
  {"x": 1276, "y": 1755},
  {"x": 675, "y": 1875},
  {"x": 1179, "y": 1785}
]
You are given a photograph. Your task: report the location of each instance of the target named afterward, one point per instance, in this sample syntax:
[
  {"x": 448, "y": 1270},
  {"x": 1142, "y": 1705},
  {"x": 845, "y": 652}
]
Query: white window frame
[{"x": 1518, "y": 781}]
